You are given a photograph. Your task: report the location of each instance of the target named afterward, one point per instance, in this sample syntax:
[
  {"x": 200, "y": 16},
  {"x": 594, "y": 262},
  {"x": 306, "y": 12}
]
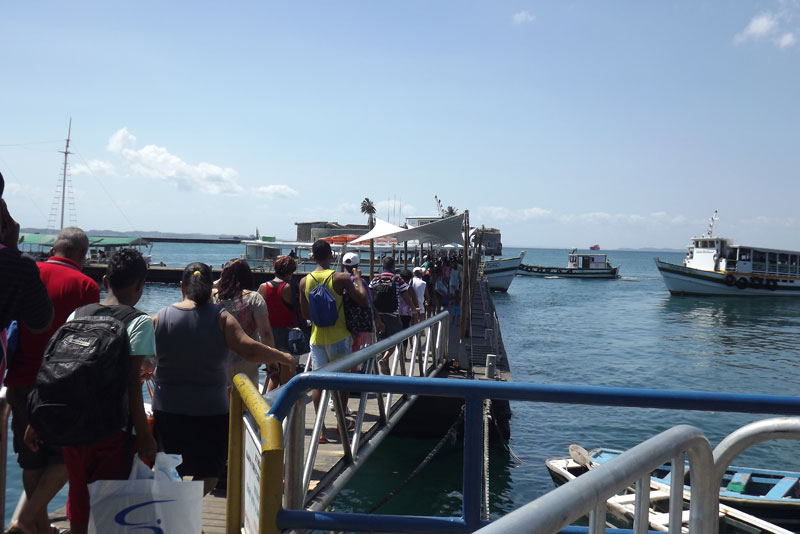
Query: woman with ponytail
[{"x": 190, "y": 402}]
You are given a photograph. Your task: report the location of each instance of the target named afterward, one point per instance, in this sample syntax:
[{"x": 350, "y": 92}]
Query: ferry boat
[
  {"x": 578, "y": 266},
  {"x": 101, "y": 248},
  {"x": 594, "y": 247},
  {"x": 716, "y": 266}
]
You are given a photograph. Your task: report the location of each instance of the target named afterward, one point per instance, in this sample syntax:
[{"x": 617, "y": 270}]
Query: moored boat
[
  {"x": 594, "y": 247},
  {"x": 717, "y": 266},
  {"x": 578, "y": 266},
  {"x": 621, "y": 508},
  {"x": 500, "y": 272},
  {"x": 773, "y": 496}
]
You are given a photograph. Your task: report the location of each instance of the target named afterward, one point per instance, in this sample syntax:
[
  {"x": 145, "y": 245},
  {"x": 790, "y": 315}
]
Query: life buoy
[
  {"x": 741, "y": 283},
  {"x": 730, "y": 279},
  {"x": 756, "y": 283}
]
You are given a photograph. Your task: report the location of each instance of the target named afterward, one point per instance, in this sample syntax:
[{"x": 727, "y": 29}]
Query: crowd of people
[{"x": 189, "y": 350}]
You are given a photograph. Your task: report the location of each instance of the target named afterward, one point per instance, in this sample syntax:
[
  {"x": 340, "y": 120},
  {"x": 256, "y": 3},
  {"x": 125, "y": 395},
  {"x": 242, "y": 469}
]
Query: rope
[
  {"x": 506, "y": 446},
  {"x": 450, "y": 433}
]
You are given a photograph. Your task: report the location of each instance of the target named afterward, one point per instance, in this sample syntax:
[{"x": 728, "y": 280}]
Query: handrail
[
  {"x": 590, "y": 491},
  {"x": 245, "y": 395},
  {"x": 429, "y": 360},
  {"x": 474, "y": 392}
]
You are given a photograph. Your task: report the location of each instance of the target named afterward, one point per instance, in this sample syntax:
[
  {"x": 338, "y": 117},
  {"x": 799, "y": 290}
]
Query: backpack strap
[{"x": 121, "y": 312}]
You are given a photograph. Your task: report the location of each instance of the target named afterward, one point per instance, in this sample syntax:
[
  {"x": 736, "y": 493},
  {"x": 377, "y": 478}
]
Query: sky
[{"x": 563, "y": 124}]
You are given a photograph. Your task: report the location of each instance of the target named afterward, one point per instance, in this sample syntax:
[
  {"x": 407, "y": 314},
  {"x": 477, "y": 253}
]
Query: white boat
[
  {"x": 578, "y": 266},
  {"x": 500, "y": 272},
  {"x": 716, "y": 266},
  {"x": 620, "y": 508}
]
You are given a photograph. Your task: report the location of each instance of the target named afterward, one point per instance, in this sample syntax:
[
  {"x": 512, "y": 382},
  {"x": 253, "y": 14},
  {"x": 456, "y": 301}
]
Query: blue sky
[{"x": 562, "y": 123}]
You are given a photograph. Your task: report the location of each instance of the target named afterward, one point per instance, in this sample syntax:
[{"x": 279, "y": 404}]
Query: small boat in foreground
[
  {"x": 578, "y": 266},
  {"x": 500, "y": 272},
  {"x": 773, "y": 496}
]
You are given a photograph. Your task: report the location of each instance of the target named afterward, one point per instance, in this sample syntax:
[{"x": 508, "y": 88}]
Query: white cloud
[
  {"x": 759, "y": 27},
  {"x": 122, "y": 138},
  {"x": 762, "y": 220},
  {"x": 534, "y": 213},
  {"x": 14, "y": 189},
  {"x": 276, "y": 191},
  {"x": 158, "y": 163},
  {"x": 94, "y": 166},
  {"x": 500, "y": 213},
  {"x": 522, "y": 17},
  {"x": 786, "y": 40}
]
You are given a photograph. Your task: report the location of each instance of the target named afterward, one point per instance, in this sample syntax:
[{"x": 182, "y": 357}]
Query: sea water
[{"x": 627, "y": 332}]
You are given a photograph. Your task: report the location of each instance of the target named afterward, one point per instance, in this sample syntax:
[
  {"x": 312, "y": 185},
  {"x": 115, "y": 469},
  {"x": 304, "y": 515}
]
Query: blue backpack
[{"x": 322, "y": 304}]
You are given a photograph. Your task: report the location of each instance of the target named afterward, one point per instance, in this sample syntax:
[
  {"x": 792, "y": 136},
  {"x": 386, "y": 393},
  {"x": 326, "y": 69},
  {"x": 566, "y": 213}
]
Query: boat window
[
  {"x": 744, "y": 254},
  {"x": 759, "y": 256},
  {"x": 793, "y": 264}
]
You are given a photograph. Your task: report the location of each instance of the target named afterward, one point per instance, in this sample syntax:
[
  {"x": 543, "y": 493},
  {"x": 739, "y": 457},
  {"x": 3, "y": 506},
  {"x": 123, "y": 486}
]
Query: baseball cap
[{"x": 350, "y": 259}]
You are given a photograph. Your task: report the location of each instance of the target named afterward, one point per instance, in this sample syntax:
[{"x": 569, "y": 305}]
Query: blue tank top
[{"x": 191, "y": 356}]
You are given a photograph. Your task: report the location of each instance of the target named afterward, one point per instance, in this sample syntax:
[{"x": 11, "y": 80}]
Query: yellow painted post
[
  {"x": 233, "y": 504},
  {"x": 271, "y": 476},
  {"x": 272, "y": 454}
]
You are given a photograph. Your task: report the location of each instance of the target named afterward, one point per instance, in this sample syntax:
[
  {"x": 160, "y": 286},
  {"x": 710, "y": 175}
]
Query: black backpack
[
  {"x": 356, "y": 318},
  {"x": 386, "y": 294},
  {"x": 80, "y": 396}
]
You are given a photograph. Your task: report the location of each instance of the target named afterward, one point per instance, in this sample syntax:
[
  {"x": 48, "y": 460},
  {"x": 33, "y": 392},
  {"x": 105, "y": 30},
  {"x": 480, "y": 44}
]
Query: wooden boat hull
[
  {"x": 783, "y": 511},
  {"x": 682, "y": 280},
  {"x": 500, "y": 272},
  {"x": 567, "y": 272}
]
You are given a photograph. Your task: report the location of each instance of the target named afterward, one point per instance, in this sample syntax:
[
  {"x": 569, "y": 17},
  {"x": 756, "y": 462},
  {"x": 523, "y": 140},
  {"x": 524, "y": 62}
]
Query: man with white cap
[{"x": 420, "y": 287}]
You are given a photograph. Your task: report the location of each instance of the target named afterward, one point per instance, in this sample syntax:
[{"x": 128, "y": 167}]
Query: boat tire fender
[
  {"x": 772, "y": 284},
  {"x": 730, "y": 279},
  {"x": 741, "y": 283}
]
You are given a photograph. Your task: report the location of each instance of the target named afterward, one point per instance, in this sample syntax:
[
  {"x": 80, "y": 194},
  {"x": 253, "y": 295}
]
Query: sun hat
[
  {"x": 350, "y": 259},
  {"x": 416, "y": 270}
]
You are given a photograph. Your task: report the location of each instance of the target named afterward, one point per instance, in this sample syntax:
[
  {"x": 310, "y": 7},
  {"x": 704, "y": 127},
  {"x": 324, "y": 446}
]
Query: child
[{"x": 457, "y": 308}]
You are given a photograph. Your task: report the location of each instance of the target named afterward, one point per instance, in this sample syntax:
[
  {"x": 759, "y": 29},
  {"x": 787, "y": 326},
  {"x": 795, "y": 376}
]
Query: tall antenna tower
[
  {"x": 64, "y": 193},
  {"x": 711, "y": 224}
]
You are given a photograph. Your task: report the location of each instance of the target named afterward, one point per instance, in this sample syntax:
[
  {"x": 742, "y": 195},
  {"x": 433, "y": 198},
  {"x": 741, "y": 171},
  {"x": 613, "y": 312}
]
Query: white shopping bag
[{"x": 153, "y": 502}]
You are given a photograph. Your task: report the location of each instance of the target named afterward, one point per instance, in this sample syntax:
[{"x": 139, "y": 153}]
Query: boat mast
[
  {"x": 66, "y": 153},
  {"x": 711, "y": 224}
]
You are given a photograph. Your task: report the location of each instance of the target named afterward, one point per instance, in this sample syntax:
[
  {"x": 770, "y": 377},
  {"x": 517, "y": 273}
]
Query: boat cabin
[
  {"x": 720, "y": 254},
  {"x": 101, "y": 248},
  {"x": 587, "y": 261}
]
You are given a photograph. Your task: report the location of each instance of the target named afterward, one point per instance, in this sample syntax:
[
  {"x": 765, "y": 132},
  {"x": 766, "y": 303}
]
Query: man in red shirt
[{"x": 43, "y": 471}]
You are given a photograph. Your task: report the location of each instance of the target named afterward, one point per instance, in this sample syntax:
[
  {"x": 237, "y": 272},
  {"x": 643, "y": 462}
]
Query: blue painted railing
[{"x": 474, "y": 392}]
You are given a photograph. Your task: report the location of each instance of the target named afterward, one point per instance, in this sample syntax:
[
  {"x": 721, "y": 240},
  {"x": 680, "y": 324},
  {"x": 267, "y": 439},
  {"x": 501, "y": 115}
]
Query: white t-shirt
[{"x": 418, "y": 285}]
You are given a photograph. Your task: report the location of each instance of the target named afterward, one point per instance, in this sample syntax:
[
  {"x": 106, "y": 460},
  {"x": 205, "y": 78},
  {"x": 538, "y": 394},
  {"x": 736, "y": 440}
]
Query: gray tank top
[{"x": 191, "y": 356}]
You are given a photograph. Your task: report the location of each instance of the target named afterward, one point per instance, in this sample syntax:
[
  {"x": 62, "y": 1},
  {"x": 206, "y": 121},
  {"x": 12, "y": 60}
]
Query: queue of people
[{"x": 190, "y": 349}]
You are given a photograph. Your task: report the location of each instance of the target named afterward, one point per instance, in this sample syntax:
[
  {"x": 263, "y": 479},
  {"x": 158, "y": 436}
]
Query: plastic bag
[{"x": 153, "y": 500}]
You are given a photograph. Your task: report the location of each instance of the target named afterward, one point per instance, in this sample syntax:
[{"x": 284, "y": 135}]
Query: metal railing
[
  {"x": 416, "y": 352},
  {"x": 589, "y": 492},
  {"x": 474, "y": 393}
]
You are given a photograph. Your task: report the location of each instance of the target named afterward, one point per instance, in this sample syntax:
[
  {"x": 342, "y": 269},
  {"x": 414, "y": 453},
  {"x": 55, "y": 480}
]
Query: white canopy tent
[{"x": 443, "y": 232}]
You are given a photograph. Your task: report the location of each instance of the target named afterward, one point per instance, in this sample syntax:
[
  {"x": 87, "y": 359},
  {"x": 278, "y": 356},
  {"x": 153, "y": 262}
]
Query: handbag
[
  {"x": 298, "y": 342},
  {"x": 148, "y": 501}
]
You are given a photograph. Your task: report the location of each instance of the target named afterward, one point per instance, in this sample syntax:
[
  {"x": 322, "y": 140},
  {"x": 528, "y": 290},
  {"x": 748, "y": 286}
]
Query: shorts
[
  {"x": 392, "y": 325},
  {"x": 322, "y": 354},
  {"x": 202, "y": 440},
  {"x": 17, "y": 397},
  {"x": 106, "y": 460}
]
